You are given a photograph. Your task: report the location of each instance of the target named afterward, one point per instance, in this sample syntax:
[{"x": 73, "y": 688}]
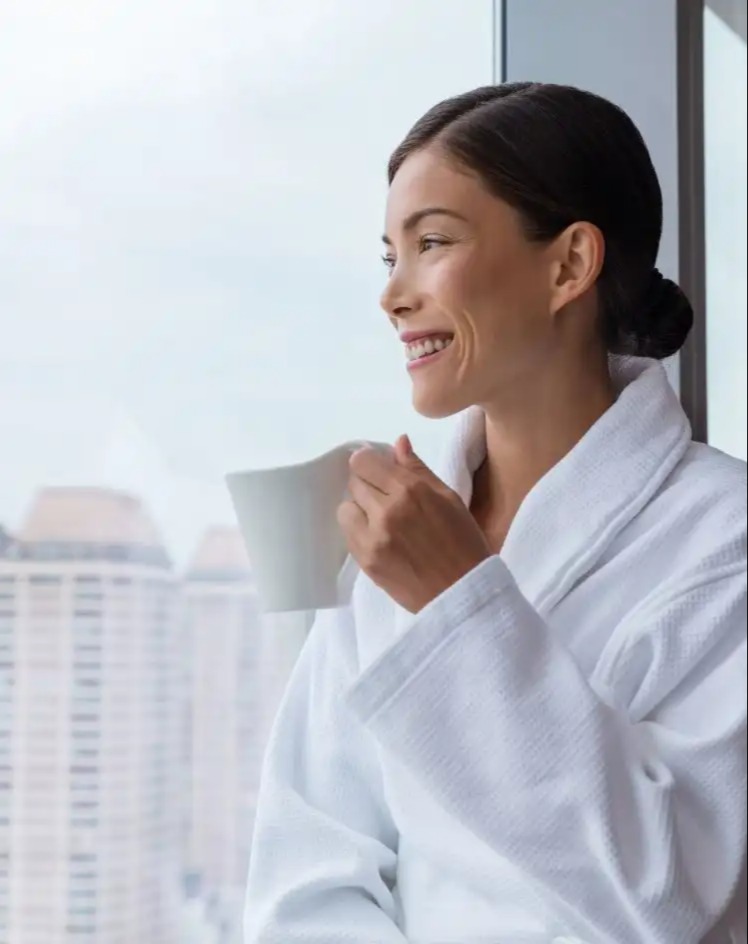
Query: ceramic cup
[{"x": 288, "y": 518}]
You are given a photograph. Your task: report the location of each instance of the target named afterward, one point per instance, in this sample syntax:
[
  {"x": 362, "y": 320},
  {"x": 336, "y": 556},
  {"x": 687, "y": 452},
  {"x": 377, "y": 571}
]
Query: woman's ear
[{"x": 578, "y": 256}]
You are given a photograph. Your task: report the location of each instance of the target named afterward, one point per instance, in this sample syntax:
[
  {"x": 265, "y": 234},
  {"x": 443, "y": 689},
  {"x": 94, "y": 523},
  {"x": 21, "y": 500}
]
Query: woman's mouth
[{"x": 426, "y": 351}]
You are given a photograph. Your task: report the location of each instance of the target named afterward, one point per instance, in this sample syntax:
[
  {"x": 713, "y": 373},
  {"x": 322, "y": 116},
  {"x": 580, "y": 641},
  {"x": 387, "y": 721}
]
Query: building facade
[
  {"x": 89, "y": 726},
  {"x": 222, "y": 628}
]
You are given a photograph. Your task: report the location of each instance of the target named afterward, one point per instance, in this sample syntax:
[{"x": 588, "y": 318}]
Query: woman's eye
[
  {"x": 424, "y": 244},
  {"x": 430, "y": 242}
]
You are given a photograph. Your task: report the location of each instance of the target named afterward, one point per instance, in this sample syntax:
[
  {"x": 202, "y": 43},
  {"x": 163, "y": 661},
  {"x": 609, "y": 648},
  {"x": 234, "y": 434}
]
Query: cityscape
[{"x": 135, "y": 702}]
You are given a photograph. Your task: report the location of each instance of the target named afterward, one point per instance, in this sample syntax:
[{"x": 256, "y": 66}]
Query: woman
[{"x": 529, "y": 725}]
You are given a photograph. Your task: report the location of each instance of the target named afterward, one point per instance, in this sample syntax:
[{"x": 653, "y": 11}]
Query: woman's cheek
[{"x": 451, "y": 286}]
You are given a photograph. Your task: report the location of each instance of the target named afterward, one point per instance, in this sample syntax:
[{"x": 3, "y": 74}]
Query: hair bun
[{"x": 663, "y": 320}]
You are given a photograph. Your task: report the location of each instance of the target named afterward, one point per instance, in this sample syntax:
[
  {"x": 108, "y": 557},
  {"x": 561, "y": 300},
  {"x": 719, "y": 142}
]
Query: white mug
[{"x": 288, "y": 518}]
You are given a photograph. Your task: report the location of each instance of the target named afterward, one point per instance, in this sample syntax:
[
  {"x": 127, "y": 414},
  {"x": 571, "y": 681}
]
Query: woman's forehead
[{"x": 428, "y": 178}]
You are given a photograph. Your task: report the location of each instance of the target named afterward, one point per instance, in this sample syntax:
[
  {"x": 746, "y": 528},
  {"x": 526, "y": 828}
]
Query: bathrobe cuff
[{"x": 435, "y": 628}]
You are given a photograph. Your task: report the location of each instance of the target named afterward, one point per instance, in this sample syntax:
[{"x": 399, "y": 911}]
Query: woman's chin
[{"x": 435, "y": 404}]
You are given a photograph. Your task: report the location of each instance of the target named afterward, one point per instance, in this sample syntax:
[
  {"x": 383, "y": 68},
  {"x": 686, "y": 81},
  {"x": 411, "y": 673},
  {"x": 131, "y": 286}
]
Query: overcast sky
[{"x": 191, "y": 198}]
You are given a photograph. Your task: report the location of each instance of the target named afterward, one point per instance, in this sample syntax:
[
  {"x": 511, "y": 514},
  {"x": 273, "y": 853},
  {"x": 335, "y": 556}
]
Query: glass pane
[
  {"x": 725, "y": 141},
  {"x": 190, "y": 210}
]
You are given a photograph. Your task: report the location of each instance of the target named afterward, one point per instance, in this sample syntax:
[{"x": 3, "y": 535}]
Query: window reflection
[{"x": 725, "y": 132}]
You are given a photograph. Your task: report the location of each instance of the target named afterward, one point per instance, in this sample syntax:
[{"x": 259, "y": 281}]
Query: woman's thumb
[{"x": 406, "y": 454}]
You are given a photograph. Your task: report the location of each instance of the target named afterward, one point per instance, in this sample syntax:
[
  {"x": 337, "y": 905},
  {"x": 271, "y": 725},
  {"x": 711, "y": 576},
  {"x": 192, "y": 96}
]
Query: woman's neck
[{"x": 528, "y": 433}]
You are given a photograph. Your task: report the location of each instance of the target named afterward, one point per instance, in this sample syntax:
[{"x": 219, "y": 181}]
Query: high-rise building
[
  {"x": 89, "y": 726},
  {"x": 224, "y": 740}
]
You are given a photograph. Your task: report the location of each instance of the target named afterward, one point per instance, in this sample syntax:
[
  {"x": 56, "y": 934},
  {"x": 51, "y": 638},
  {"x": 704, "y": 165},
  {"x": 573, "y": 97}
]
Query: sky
[
  {"x": 191, "y": 200},
  {"x": 191, "y": 203}
]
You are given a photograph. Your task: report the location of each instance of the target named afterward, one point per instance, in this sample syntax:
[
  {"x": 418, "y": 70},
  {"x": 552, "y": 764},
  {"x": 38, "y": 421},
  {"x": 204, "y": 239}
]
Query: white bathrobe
[{"x": 553, "y": 750}]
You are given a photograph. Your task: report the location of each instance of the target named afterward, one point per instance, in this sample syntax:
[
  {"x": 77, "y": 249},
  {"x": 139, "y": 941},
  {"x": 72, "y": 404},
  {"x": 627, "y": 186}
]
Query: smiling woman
[
  {"x": 480, "y": 265},
  {"x": 516, "y": 730}
]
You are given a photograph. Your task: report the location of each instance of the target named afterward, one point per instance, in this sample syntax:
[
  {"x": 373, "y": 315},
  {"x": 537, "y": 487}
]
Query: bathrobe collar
[{"x": 570, "y": 516}]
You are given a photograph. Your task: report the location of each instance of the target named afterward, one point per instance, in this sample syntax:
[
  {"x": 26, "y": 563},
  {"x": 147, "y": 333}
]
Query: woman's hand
[{"x": 410, "y": 533}]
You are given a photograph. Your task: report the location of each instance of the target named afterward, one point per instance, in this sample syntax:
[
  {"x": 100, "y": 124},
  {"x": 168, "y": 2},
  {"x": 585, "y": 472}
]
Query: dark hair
[{"x": 560, "y": 155}]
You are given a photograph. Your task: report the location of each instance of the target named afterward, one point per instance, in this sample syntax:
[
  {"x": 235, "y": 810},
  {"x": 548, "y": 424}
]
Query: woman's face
[{"x": 461, "y": 267}]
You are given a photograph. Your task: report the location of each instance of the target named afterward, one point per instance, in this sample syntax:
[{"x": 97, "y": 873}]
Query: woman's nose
[{"x": 398, "y": 298}]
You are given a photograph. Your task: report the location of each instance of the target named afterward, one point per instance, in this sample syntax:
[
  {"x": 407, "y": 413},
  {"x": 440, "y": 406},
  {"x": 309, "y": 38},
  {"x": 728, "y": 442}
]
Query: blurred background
[{"x": 191, "y": 200}]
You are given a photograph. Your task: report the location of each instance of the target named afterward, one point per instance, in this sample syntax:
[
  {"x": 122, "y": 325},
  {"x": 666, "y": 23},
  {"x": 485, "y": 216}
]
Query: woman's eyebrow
[{"x": 415, "y": 218}]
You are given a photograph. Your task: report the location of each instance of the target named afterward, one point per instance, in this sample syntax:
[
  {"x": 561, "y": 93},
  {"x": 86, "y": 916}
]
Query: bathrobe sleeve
[
  {"x": 323, "y": 855},
  {"x": 625, "y": 800}
]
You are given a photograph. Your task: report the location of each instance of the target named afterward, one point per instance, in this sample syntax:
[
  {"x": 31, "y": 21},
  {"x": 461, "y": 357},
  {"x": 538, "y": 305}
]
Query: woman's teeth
[{"x": 430, "y": 346}]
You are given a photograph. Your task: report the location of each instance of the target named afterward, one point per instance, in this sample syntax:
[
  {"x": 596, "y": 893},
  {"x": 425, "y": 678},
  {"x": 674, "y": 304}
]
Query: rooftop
[
  {"x": 88, "y": 516},
  {"x": 220, "y": 555},
  {"x": 75, "y": 524}
]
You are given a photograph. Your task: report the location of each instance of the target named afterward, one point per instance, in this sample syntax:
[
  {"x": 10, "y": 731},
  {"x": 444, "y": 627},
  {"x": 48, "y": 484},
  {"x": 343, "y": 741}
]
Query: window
[
  {"x": 91, "y": 632},
  {"x": 725, "y": 132},
  {"x": 203, "y": 187}
]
